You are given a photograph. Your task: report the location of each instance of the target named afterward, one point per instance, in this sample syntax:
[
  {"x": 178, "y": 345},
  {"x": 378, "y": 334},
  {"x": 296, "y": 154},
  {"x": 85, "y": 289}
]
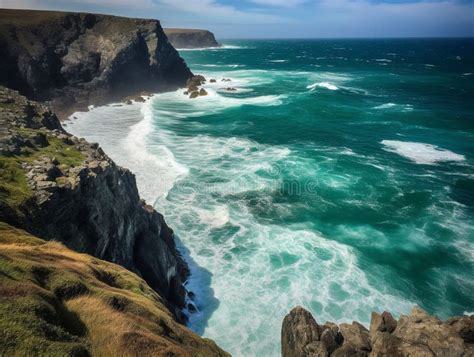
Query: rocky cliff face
[
  {"x": 189, "y": 38},
  {"x": 418, "y": 334},
  {"x": 73, "y": 60},
  {"x": 62, "y": 188}
]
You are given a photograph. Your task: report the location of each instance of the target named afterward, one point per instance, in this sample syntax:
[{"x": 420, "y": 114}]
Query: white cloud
[
  {"x": 279, "y": 3},
  {"x": 212, "y": 11}
]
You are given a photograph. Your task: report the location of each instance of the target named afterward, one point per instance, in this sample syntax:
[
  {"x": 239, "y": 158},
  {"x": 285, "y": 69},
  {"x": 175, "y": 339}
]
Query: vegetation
[
  {"x": 54, "y": 301},
  {"x": 13, "y": 184}
]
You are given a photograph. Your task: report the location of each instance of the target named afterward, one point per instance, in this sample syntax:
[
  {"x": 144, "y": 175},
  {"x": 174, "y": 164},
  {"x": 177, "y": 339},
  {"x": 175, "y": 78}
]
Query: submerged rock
[{"x": 417, "y": 334}]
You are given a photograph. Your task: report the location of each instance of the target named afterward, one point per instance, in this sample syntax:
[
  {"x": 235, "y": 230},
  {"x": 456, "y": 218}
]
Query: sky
[{"x": 288, "y": 18}]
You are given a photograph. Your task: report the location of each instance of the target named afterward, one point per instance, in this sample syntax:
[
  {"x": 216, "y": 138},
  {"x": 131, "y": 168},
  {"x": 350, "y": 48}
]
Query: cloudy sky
[{"x": 288, "y": 18}]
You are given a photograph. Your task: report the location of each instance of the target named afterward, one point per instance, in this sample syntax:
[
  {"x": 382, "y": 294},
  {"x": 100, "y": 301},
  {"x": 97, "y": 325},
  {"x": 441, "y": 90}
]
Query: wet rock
[
  {"x": 212, "y": 80},
  {"x": 194, "y": 94},
  {"x": 202, "y": 92}
]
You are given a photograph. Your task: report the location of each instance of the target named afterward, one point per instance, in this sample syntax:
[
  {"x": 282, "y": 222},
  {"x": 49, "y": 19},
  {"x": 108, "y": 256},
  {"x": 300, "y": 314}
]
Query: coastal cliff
[
  {"x": 73, "y": 60},
  {"x": 417, "y": 334},
  {"x": 191, "y": 38},
  {"x": 57, "y": 302},
  {"x": 59, "y": 187}
]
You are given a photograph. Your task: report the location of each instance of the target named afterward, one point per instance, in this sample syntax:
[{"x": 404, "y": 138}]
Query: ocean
[{"x": 338, "y": 176}]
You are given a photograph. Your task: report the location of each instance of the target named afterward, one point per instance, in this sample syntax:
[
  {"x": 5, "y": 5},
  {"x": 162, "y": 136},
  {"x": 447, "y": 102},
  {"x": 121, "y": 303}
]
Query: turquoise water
[{"x": 338, "y": 176}]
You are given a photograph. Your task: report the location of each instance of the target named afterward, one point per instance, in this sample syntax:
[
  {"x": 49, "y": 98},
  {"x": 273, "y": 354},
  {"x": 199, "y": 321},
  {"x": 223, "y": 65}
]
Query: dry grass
[{"x": 54, "y": 301}]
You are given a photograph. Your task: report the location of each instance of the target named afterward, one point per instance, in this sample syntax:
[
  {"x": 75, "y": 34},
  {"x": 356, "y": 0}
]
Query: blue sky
[{"x": 288, "y": 18}]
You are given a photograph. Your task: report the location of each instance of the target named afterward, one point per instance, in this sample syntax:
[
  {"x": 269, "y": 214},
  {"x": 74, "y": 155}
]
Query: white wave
[
  {"x": 223, "y": 65},
  {"x": 223, "y": 47},
  {"x": 405, "y": 107},
  {"x": 383, "y": 60},
  {"x": 467, "y": 74},
  {"x": 385, "y": 106},
  {"x": 429, "y": 65},
  {"x": 278, "y": 61},
  {"x": 421, "y": 153},
  {"x": 326, "y": 85}
]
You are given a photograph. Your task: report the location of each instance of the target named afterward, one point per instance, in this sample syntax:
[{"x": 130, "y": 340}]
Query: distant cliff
[
  {"x": 417, "y": 334},
  {"x": 190, "y": 38},
  {"x": 59, "y": 187},
  {"x": 72, "y": 60}
]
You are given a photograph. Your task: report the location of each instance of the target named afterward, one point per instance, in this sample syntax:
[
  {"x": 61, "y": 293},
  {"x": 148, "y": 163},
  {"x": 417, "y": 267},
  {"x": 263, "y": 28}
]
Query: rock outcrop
[
  {"x": 73, "y": 60},
  {"x": 417, "y": 334},
  {"x": 57, "y": 302},
  {"x": 191, "y": 38},
  {"x": 59, "y": 187}
]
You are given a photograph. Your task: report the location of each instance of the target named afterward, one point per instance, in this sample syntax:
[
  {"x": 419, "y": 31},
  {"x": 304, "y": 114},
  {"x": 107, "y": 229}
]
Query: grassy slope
[{"x": 54, "y": 301}]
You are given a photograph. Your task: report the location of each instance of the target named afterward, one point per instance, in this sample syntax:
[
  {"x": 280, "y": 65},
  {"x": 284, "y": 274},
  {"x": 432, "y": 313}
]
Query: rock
[
  {"x": 226, "y": 80},
  {"x": 418, "y": 334},
  {"x": 299, "y": 329},
  {"x": 192, "y": 308},
  {"x": 420, "y": 329},
  {"x": 191, "y": 38},
  {"x": 230, "y": 89},
  {"x": 383, "y": 323},
  {"x": 464, "y": 327},
  {"x": 79, "y": 60},
  {"x": 193, "y": 83},
  {"x": 329, "y": 340},
  {"x": 212, "y": 80},
  {"x": 348, "y": 351},
  {"x": 202, "y": 92},
  {"x": 194, "y": 94},
  {"x": 356, "y": 335}
]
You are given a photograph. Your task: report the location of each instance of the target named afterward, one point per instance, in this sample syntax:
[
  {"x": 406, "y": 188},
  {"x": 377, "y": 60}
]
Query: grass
[
  {"x": 14, "y": 188},
  {"x": 54, "y": 301}
]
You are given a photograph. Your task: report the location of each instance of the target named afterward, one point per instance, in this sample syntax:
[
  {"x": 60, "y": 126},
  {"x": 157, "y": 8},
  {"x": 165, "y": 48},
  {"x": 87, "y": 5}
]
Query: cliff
[
  {"x": 62, "y": 188},
  {"x": 190, "y": 38},
  {"x": 418, "y": 334},
  {"x": 57, "y": 302},
  {"x": 73, "y": 60}
]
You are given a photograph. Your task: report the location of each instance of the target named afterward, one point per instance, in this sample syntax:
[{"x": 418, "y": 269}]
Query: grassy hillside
[{"x": 54, "y": 301}]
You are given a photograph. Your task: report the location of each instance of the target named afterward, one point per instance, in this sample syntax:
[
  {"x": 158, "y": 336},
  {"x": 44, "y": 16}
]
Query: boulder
[
  {"x": 202, "y": 92},
  {"x": 299, "y": 330},
  {"x": 194, "y": 94}
]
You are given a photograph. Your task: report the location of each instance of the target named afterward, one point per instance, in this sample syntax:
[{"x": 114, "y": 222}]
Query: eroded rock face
[
  {"x": 60, "y": 187},
  {"x": 417, "y": 334},
  {"x": 191, "y": 38},
  {"x": 73, "y": 60}
]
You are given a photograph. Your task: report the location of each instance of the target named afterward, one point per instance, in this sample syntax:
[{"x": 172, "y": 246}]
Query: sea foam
[
  {"x": 326, "y": 85},
  {"x": 421, "y": 153}
]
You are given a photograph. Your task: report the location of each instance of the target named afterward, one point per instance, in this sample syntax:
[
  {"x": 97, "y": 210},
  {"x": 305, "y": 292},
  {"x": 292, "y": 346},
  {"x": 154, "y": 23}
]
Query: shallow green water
[{"x": 339, "y": 176}]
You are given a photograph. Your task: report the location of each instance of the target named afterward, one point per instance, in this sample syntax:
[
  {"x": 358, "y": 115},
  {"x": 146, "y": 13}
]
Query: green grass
[{"x": 13, "y": 183}]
